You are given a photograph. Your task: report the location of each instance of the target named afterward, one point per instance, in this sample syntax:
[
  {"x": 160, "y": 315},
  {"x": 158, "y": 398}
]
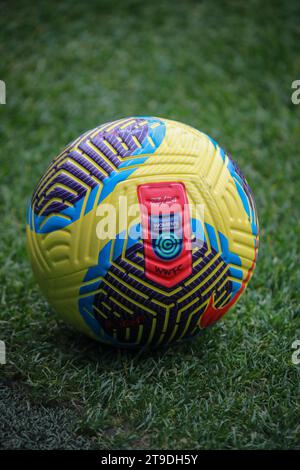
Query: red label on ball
[{"x": 166, "y": 232}]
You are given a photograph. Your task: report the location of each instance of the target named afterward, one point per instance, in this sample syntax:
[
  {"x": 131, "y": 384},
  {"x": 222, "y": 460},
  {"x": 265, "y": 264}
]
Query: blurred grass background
[{"x": 225, "y": 67}]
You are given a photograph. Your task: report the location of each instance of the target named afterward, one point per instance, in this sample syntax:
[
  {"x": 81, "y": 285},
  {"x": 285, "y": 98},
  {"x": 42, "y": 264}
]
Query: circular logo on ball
[{"x": 167, "y": 246}]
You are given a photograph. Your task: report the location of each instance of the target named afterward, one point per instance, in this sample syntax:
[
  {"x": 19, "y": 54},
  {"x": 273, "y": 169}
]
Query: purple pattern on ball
[
  {"x": 136, "y": 303},
  {"x": 98, "y": 155}
]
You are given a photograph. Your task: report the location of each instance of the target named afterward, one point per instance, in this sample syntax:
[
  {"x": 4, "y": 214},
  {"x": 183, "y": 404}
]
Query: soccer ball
[{"x": 142, "y": 232}]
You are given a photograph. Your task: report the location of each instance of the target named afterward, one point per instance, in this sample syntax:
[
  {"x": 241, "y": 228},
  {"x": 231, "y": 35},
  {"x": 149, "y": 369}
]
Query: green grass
[{"x": 225, "y": 68}]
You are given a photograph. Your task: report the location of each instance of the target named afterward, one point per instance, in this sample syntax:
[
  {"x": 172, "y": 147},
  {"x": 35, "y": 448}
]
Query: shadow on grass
[{"x": 69, "y": 341}]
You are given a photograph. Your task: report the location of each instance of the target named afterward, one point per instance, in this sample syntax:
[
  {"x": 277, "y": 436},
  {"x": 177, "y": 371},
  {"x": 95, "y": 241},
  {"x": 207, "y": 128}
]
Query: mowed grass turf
[{"x": 225, "y": 68}]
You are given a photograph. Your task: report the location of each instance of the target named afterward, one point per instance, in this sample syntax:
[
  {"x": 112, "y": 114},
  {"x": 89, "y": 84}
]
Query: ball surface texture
[{"x": 142, "y": 232}]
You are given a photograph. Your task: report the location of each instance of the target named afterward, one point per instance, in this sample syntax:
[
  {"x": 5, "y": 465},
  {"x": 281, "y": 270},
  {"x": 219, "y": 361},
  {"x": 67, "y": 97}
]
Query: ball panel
[
  {"x": 96, "y": 160},
  {"x": 150, "y": 313}
]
